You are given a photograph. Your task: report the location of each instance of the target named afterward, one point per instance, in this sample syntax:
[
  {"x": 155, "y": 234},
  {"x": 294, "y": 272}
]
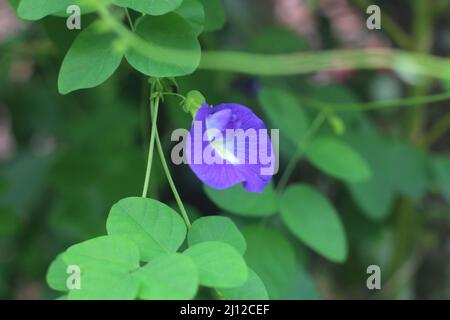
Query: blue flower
[{"x": 229, "y": 144}]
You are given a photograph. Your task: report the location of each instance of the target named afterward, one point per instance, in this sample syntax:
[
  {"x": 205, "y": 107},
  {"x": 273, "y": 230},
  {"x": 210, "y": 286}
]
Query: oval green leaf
[
  {"x": 56, "y": 274},
  {"x": 216, "y": 228},
  {"x": 153, "y": 226},
  {"x": 193, "y": 12},
  {"x": 239, "y": 201},
  {"x": 312, "y": 219},
  {"x": 214, "y": 14},
  {"x": 90, "y": 61},
  {"x": 169, "y": 47},
  {"x": 338, "y": 159},
  {"x": 252, "y": 289},
  {"x": 219, "y": 264},
  {"x": 152, "y": 7},
  {"x": 272, "y": 257},
  {"x": 172, "y": 276},
  {"x": 105, "y": 264}
]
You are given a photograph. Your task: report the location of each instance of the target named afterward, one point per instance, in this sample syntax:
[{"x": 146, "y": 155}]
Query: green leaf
[
  {"x": 375, "y": 196},
  {"x": 272, "y": 257},
  {"x": 111, "y": 285},
  {"x": 171, "y": 276},
  {"x": 106, "y": 264},
  {"x": 219, "y": 264},
  {"x": 153, "y": 226},
  {"x": 252, "y": 289},
  {"x": 285, "y": 112},
  {"x": 56, "y": 274},
  {"x": 215, "y": 228},
  {"x": 214, "y": 14},
  {"x": 193, "y": 12},
  {"x": 338, "y": 159},
  {"x": 171, "y": 50},
  {"x": 408, "y": 168},
  {"x": 38, "y": 9},
  {"x": 152, "y": 7},
  {"x": 312, "y": 219},
  {"x": 90, "y": 61},
  {"x": 239, "y": 201}
]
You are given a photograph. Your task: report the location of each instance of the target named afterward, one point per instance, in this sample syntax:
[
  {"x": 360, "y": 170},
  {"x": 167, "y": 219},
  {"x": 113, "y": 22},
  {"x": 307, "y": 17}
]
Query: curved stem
[
  {"x": 166, "y": 167},
  {"x": 365, "y": 106},
  {"x": 150, "y": 149},
  {"x": 316, "y": 124},
  {"x": 437, "y": 130},
  {"x": 130, "y": 21}
]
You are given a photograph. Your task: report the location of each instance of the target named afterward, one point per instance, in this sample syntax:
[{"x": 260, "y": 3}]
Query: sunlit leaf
[
  {"x": 252, "y": 289},
  {"x": 57, "y": 275},
  {"x": 171, "y": 276},
  {"x": 153, "y": 226},
  {"x": 216, "y": 228},
  {"x": 105, "y": 265},
  {"x": 219, "y": 264}
]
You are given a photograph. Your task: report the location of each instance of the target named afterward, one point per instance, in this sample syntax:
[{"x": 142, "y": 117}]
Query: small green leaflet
[
  {"x": 338, "y": 159},
  {"x": 312, "y": 219},
  {"x": 214, "y": 14},
  {"x": 90, "y": 61},
  {"x": 252, "y": 289},
  {"x": 151, "y": 7},
  {"x": 169, "y": 47},
  {"x": 153, "y": 226},
  {"x": 57, "y": 274},
  {"x": 193, "y": 12},
  {"x": 106, "y": 264},
  {"x": 172, "y": 276},
  {"x": 216, "y": 228},
  {"x": 219, "y": 264},
  {"x": 239, "y": 201},
  {"x": 272, "y": 257},
  {"x": 284, "y": 111}
]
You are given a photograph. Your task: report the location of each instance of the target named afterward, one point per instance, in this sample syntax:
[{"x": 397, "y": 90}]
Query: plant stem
[
  {"x": 437, "y": 130},
  {"x": 150, "y": 149},
  {"x": 130, "y": 21},
  {"x": 365, "y": 106},
  {"x": 166, "y": 167},
  {"x": 316, "y": 124}
]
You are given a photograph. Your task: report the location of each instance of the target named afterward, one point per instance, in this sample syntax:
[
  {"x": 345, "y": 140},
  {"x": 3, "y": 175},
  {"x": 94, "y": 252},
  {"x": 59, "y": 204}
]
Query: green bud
[
  {"x": 193, "y": 102},
  {"x": 337, "y": 124}
]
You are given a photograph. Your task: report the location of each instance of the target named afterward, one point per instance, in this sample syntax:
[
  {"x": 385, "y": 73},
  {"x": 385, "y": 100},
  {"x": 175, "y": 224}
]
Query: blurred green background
[{"x": 64, "y": 160}]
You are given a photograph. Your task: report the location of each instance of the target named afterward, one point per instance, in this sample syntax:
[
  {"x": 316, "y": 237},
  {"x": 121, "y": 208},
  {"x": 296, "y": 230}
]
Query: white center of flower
[{"x": 214, "y": 126}]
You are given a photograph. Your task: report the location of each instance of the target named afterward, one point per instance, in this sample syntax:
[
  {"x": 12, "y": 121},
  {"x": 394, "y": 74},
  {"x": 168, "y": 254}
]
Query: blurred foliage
[{"x": 366, "y": 188}]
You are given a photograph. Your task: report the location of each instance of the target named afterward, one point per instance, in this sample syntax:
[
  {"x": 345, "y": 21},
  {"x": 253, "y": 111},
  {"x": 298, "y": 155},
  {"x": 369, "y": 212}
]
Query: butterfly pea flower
[{"x": 227, "y": 145}]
